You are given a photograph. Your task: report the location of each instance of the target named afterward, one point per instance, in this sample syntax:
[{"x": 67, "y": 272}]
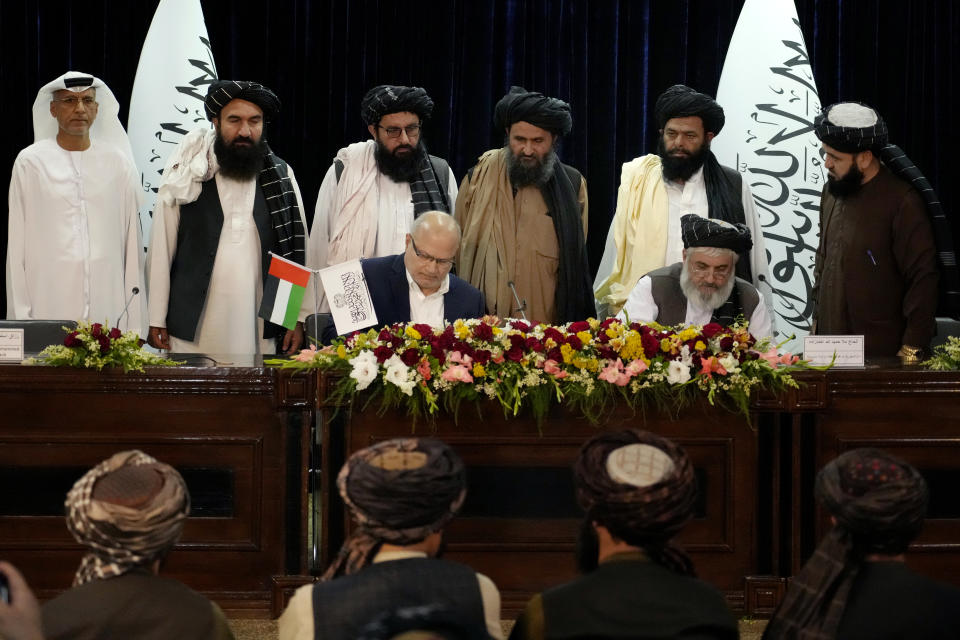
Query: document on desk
[
  {"x": 820, "y": 350},
  {"x": 349, "y": 298},
  {"x": 11, "y": 345}
]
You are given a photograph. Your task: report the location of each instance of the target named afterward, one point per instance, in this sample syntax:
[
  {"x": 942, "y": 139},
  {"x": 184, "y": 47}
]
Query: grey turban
[
  {"x": 698, "y": 231},
  {"x": 851, "y": 127},
  {"x": 223, "y": 91},
  {"x": 386, "y": 99},
  {"x": 680, "y": 101},
  {"x": 520, "y": 105}
]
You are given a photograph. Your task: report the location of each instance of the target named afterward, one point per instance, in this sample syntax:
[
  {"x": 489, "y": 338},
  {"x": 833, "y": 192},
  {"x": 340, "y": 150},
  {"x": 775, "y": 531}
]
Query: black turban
[
  {"x": 223, "y": 91},
  {"x": 398, "y": 491},
  {"x": 643, "y": 516},
  {"x": 680, "y": 101},
  {"x": 537, "y": 109},
  {"x": 851, "y": 127},
  {"x": 387, "y": 98},
  {"x": 879, "y": 502},
  {"x": 698, "y": 231}
]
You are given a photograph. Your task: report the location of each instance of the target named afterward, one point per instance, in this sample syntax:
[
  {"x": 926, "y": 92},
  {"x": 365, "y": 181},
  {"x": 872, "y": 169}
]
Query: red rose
[
  {"x": 423, "y": 329},
  {"x": 555, "y": 354},
  {"x": 555, "y": 335},
  {"x": 696, "y": 361},
  {"x": 115, "y": 333},
  {"x": 609, "y": 321},
  {"x": 383, "y": 353},
  {"x": 72, "y": 340},
  {"x": 385, "y": 335},
  {"x": 482, "y": 331},
  {"x": 574, "y": 343},
  {"x": 534, "y": 345},
  {"x": 515, "y": 354},
  {"x": 96, "y": 329},
  {"x": 651, "y": 346},
  {"x": 410, "y": 357},
  {"x": 104, "y": 342},
  {"x": 517, "y": 341},
  {"x": 438, "y": 353},
  {"x": 607, "y": 352},
  {"x": 482, "y": 356},
  {"x": 711, "y": 329},
  {"x": 520, "y": 325},
  {"x": 577, "y": 327},
  {"x": 725, "y": 343}
]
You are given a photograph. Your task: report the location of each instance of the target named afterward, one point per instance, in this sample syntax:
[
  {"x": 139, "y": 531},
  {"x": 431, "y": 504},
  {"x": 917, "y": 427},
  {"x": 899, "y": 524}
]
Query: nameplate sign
[
  {"x": 348, "y": 297},
  {"x": 11, "y": 345},
  {"x": 820, "y": 350}
]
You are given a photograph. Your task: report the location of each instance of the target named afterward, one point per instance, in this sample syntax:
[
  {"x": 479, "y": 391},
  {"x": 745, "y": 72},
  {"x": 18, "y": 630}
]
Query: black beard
[
  {"x": 397, "y": 168},
  {"x": 847, "y": 185},
  {"x": 536, "y": 175},
  {"x": 240, "y": 162},
  {"x": 681, "y": 168}
]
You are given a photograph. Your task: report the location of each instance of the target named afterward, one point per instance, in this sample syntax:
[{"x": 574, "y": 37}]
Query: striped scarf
[
  {"x": 281, "y": 200},
  {"x": 425, "y": 189}
]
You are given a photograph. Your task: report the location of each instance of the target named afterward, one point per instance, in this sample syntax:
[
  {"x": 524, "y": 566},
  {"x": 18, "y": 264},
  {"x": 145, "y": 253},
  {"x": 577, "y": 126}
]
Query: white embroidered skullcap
[{"x": 640, "y": 465}]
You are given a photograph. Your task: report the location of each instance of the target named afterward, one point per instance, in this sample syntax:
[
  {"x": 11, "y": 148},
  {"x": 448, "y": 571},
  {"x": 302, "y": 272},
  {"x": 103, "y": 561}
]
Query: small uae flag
[{"x": 283, "y": 292}]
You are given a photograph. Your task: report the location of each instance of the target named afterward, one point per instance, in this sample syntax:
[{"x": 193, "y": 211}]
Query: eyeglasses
[
  {"x": 412, "y": 131},
  {"x": 720, "y": 273},
  {"x": 73, "y": 101},
  {"x": 446, "y": 263}
]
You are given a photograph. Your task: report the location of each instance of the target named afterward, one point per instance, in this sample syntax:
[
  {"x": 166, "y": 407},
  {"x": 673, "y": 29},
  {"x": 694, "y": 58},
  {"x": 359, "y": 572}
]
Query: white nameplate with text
[
  {"x": 348, "y": 296},
  {"x": 820, "y": 350},
  {"x": 11, "y": 345}
]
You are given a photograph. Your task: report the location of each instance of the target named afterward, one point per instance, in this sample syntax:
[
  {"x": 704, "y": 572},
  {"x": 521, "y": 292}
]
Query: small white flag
[
  {"x": 770, "y": 99},
  {"x": 346, "y": 291},
  {"x": 176, "y": 67}
]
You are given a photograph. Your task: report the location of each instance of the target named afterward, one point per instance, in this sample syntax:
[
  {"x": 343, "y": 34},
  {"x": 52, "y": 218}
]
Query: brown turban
[
  {"x": 398, "y": 491},
  {"x": 641, "y": 487},
  {"x": 879, "y": 502},
  {"x": 128, "y": 511}
]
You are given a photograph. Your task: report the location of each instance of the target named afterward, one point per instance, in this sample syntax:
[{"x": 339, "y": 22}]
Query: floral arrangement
[
  {"x": 945, "y": 357},
  {"x": 94, "y": 346},
  {"x": 587, "y": 365}
]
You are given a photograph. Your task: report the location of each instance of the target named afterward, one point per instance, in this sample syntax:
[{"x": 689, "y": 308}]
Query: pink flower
[
  {"x": 636, "y": 367},
  {"x": 613, "y": 373},
  {"x": 457, "y": 373},
  {"x": 497, "y": 359},
  {"x": 460, "y": 358},
  {"x": 710, "y": 366},
  {"x": 551, "y": 367},
  {"x": 423, "y": 368},
  {"x": 771, "y": 356},
  {"x": 788, "y": 359},
  {"x": 306, "y": 355}
]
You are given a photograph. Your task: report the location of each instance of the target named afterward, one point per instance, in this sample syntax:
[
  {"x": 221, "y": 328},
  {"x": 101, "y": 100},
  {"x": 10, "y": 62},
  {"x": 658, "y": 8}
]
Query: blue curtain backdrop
[{"x": 609, "y": 59}]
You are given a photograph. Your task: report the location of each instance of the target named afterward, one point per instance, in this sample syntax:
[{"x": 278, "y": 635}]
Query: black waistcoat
[
  {"x": 672, "y": 303},
  {"x": 197, "y": 239},
  {"x": 343, "y": 606}
]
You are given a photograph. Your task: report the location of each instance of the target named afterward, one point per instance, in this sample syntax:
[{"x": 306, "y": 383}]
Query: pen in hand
[{"x": 870, "y": 255}]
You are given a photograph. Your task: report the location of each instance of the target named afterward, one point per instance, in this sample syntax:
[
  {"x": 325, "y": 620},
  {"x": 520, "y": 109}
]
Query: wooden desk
[{"x": 234, "y": 433}]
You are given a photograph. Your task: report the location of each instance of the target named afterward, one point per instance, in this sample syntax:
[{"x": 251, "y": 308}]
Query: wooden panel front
[
  {"x": 221, "y": 428},
  {"x": 520, "y": 521}
]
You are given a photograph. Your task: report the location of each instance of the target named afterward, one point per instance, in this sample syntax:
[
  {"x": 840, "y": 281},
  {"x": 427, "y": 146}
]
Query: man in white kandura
[
  {"x": 74, "y": 250},
  {"x": 226, "y": 202}
]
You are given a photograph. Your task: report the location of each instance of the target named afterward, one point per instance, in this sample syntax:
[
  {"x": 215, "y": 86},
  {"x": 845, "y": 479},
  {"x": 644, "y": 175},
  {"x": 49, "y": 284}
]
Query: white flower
[
  {"x": 730, "y": 363},
  {"x": 398, "y": 374},
  {"x": 677, "y": 372},
  {"x": 394, "y": 361},
  {"x": 365, "y": 369},
  {"x": 685, "y": 356}
]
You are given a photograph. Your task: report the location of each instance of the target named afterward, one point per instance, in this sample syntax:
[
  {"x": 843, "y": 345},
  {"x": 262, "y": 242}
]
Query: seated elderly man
[
  {"x": 856, "y": 584},
  {"x": 401, "y": 494},
  {"x": 129, "y": 511},
  {"x": 416, "y": 285},
  {"x": 638, "y": 491},
  {"x": 703, "y": 288}
]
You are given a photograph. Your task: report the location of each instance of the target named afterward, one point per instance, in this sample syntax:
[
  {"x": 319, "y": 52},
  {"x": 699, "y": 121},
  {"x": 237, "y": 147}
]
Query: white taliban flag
[
  {"x": 176, "y": 67},
  {"x": 769, "y": 96}
]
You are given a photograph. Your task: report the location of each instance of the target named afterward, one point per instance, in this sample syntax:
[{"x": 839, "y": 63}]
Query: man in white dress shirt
[
  {"x": 657, "y": 189},
  {"x": 703, "y": 288},
  {"x": 374, "y": 189},
  {"x": 225, "y": 204},
  {"x": 74, "y": 249}
]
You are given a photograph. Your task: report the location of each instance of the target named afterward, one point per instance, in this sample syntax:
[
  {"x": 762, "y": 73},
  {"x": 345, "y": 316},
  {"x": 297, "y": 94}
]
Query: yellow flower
[
  {"x": 688, "y": 334},
  {"x": 412, "y": 333},
  {"x": 590, "y": 364},
  {"x": 699, "y": 346},
  {"x": 632, "y": 346},
  {"x": 497, "y": 331},
  {"x": 567, "y": 352},
  {"x": 342, "y": 352},
  {"x": 549, "y": 343},
  {"x": 478, "y": 370},
  {"x": 462, "y": 331},
  {"x": 585, "y": 337},
  {"x": 594, "y": 323},
  {"x": 666, "y": 345},
  {"x": 611, "y": 331}
]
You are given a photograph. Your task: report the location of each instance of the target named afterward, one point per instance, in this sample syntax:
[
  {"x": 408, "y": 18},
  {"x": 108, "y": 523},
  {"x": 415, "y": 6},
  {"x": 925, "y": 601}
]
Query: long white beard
[{"x": 712, "y": 300}]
